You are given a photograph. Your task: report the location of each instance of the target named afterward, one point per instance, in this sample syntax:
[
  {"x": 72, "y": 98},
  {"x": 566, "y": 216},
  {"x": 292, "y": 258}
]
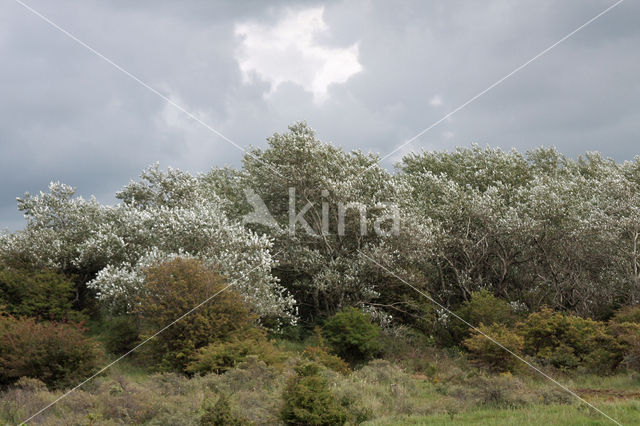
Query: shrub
[
  {"x": 43, "y": 294},
  {"x": 221, "y": 356},
  {"x": 319, "y": 352},
  {"x": 352, "y": 335},
  {"x": 567, "y": 341},
  {"x": 58, "y": 354},
  {"x": 503, "y": 390},
  {"x": 174, "y": 288},
  {"x": 627, "y": 314},
  {"x": 120, "y": 335},
  {"x": 308, "y": 400},
  {"x": 627, "y": 335},
  {"x": 482, "y": 309},
  {"x": 220, "y": 414},
  {"x": 490, "y": 355},
  {"x": 411, "y": 349}
]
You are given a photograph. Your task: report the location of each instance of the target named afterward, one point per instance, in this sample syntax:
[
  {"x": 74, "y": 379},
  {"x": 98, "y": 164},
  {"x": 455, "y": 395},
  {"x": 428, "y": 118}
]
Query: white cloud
[{"x": 290, "y": 52}]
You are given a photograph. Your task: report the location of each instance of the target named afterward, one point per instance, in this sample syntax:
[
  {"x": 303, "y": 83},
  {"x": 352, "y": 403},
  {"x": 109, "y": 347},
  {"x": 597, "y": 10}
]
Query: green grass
[
  {"x": 437, "y": 388},
  {"x": 629, "y": 382},
  {"x": 627, "y": 413}
]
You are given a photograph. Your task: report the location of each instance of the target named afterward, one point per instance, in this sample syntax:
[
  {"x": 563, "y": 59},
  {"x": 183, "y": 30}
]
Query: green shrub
[
  {"x": 221, "y": 356},
  {"x": 627, "y": 336},
  {"x": 174, "y": 288},
  {"x": 482, "y": 309},
  {"x": 58, "y": 354},
  {"x": 563, "y": 357},
  {"x": 492, "y": 356},
  {"x": 308, "y": 400},
  {"x": 485, "y": 308},
  {"x": 220, "y": 414},
  {"x": 352, "y": 335},
  {"x": 320, "y": 353},
  {"x": 120, "y": 335},
  {"x": 44, "y": 294},
  {"x": 627, "y": 314},
  {"x": 567, "y": 341}
]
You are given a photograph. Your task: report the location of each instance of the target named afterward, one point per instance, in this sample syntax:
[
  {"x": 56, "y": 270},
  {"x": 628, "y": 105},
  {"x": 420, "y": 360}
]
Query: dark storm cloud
[{"x": 67, "y": 115}]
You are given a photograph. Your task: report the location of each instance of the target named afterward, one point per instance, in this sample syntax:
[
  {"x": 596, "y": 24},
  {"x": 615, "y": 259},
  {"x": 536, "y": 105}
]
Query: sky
[{"x": 366, "y": 75}]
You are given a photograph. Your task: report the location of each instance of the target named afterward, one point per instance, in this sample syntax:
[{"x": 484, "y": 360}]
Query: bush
[
  {"x": 222, "y": 356},
  {"x": 482, "y": 309},
  {"x": 490, "y": 355},
  {"x": 352, "y": 335},
  {"x": 567, "y": 341},
  {"x": 220, "y": 414},
  {"x": 627, "y": 314},
  {"x": 308, "y": 400},
  {"x": 43, "y": 294},
  {"x": 627, "y": 335},
  {"x": 496, "y": 391},
  {"x": 58, "y": 354},
  {"x": 120, "y": 335},
  {"x": 319, "y": 352},
  {"x": 174, "y": 288}
]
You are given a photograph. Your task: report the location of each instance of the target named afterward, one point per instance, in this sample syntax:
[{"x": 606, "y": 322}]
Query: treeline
[{"x": 535, "y": 230}]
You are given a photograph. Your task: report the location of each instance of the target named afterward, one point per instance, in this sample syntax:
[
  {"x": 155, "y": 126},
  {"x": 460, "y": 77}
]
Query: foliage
[
  {"x": 490, "y": 355},
  {"x": 308, "y": 400},
  {"x": 319, "y": 352},
  {"x": 220, "y": 414},
  {"x": 322, "y": 267},
  {"x": 627, "y": 336},
  {"x": 352, "y": 335},
  {"x": 174, "y": 288},
  {"x": 58, "y": 354},
  {"x": 629, "y": 313},
  {"x": 483, "y": 308},
  {"x": 221, "y": 356},
  {"x": 166, "y": 215},
  {"x": 563, "y": 341},
  {"x": 44, "y": 294},
  {"x": 566, "y": 341},
  {"x": 121, "y": 334},
  {"x": 536, "y": 230}
]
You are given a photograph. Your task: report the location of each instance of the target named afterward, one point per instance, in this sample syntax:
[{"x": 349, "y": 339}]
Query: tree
[
  {"x": 321, "y": 262},
  {"x": 166, "y": 215},
  {"x": 172, "y": 289},
  {"x": 535, "y": 230}
]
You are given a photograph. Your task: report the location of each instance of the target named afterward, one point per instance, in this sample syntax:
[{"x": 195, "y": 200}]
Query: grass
[
  {"x": 624, "y": 382},
  {"x": 430, "y": 387},
  {"x": 627, "y": 413}
]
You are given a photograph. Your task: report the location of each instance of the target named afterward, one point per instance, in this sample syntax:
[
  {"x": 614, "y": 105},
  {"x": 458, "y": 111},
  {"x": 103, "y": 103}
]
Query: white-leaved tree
[
  {"x": 535, "y": 229},
  {"x": 321, "y": 261},
  {"x": 166, "y": 214}
]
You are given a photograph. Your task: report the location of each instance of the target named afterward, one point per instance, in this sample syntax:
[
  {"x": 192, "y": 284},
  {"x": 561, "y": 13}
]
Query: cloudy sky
[{"x": 364, "y": 74}]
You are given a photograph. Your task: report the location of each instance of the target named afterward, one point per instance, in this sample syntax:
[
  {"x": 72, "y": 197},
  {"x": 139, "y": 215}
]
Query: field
[{"x": 382, "y": 392}]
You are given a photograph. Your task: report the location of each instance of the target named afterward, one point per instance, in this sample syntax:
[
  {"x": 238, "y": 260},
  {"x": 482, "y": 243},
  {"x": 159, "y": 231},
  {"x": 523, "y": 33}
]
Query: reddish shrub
[{"x": 58, "y": 354}]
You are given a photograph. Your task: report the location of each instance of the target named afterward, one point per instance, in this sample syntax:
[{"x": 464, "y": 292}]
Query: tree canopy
[{"x": 534, "y": 229}]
